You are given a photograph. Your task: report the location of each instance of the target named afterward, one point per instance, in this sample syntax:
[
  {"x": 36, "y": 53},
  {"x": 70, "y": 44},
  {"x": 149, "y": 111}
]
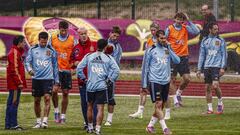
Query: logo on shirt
[
  {"x": 180, "y": 42},
  {"x": 48, "y": 53},
  {"x": 217, "y": 43},
  {"x": 42, "y": 63},
  {"x": 62, "y": 55},
  {"x": 161, "y": 61},
  {"x": 76, "y": 52},
  {"x": 97, "y": 70},
  {"x": 166, "y": 52},
  {"x": 212, "y": 52}
]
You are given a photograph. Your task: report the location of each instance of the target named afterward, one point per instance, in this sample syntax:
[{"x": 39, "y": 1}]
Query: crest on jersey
[
  {"x": 48, "y": 53},
  {"x": 166, "y": 52},
  {"x": 76, "y": 52},
  {"x": 217, "y": 43}
]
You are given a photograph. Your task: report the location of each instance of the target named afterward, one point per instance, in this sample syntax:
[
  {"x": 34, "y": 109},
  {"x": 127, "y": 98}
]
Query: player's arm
[
  {"x": 114, "y": 70},
  {"x": 224, "y": 57},
  {"x": 13, "y": 60},
  {"x": 201, "y": 59},
  {"x": 173, "y": 55},
  {"x": 81, "y": 66},
  {"x": 192, "y": 28},
  {"x": 55, "y": 68},
  {"x": 28, "y": 62},
  {"x": 119, "y": 56},
  {"x": 145, "y": 68},
  {"x": 167, "y": 31}
]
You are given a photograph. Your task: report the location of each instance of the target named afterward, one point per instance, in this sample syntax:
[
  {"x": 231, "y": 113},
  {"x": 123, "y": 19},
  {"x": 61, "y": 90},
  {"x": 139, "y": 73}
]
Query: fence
[{"x": 127, "y": 9}]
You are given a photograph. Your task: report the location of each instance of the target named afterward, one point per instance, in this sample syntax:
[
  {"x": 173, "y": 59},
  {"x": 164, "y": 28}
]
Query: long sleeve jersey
[
  {"x": 178, "y": 37},
  {"x": 43, "y": 62},
  {"x": 15, "y": 68},
  {"x": 156, "y": 64},
  {"x": 100, "y": 67},
  {"x": 212, "y": 53},
  {"x": 117, "y": 51}
]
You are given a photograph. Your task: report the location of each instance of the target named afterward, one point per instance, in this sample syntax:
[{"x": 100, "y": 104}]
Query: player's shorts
[
  {"x": 98, "y": 97},
  {"x": 41, "y": 87},
  {"x": 111, "y": 90},
  {"x": 211, "y": 74},
  {"x": 181, "y": 68},
  {"x": 158, "y": 92},
  {"x": 65, "y": 79}
]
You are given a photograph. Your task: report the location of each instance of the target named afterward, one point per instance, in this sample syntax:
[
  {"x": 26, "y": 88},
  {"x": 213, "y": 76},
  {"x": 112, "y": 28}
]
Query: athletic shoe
[
  {"x": 37, "y": 125},
  {"x": 57, "y": 117},
  {"x": 18, "y": 128},
  {"x": 136, "y": 115},
  {"x": 179, "y": 98},
  {"x": 167, "y": 116},
  {"x": 220, "y": 109},
  {"x": 108, "y": 123},
  {"x": 63, "y": 121},
  {"x": 44, "y": 125},
  {"x": 90, "y": 131},
  {"x": 85, "y": 127},
  {"x": 208, "y": 112},
  {"x": 97, "y": 132},
  {"x": 167, "y": 131},
  {"x": 177, "y": 105},
  {"x": 150, "y": 130}
]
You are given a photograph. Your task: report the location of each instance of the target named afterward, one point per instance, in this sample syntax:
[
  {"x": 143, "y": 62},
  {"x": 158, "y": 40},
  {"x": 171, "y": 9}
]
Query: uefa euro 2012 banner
[{"x": 134, "y": 32}]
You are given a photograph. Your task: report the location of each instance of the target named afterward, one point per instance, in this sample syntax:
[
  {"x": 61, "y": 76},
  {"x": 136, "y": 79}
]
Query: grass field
[{"x": 185, "y": 121}]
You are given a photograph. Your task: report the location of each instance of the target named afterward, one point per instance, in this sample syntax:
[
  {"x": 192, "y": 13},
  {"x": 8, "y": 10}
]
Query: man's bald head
[{"x": 82, "y": 32}]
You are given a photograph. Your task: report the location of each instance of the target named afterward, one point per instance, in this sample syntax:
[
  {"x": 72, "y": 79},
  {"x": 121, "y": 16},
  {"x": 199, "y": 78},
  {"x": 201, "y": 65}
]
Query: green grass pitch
[{"x": 184, "y": 121}]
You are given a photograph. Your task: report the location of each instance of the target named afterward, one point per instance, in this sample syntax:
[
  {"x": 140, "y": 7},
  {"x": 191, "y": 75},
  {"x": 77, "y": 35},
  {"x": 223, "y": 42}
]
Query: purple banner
[{"x": 134, "y": 32}]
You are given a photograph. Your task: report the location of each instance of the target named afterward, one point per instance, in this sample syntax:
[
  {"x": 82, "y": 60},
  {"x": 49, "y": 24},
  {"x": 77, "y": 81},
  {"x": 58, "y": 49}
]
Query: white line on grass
[{"x": 130, "y": 95}]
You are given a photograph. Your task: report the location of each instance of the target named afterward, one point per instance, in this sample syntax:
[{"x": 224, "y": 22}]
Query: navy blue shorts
[
  {"x": 181, "y": 68},
  {"x": 211, "y": 74},
  {"x": 65, "y": 79},
  {"x": 41, "y": 87},
  {"x": 98, "y": 97},
  {"x": 158, "y": 92}
]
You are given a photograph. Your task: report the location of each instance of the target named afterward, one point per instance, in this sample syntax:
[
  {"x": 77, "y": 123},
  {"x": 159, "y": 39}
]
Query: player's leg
[
  {"x": 208, "y": 88},
  {"x": 101, "y": 99},
  {"x": 153, "y": 89},
  {"x": 82, "y": 91},
  {"x": 64, "y": 105},
  {"x": 111, "y": 104},
  {"x": 90, "y": 100},
  {"x": 142, "y": 102},
  {"x": 48, "y": 85},
  {"x": 47, "y": 98},
  {"x": 37, "y": 109},
  {"x": 55, "y": 99},
  {"x": 184, "y": 72},
  {"x": 167, "y": 115},
  {"x": 37, "y": 92},
  {"x": 216, "y": 87},
  {"x": 66, "y": 86}
]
